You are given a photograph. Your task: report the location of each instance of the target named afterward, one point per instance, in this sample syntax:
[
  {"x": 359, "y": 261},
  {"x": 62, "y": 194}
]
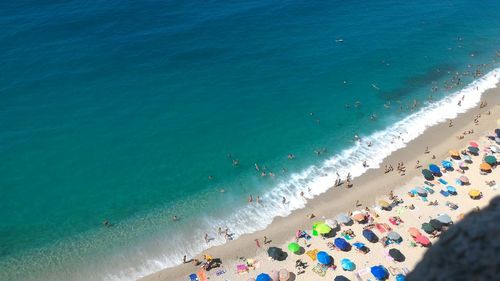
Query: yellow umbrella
[
  {"x": 485, "y": 166},
  {"x": 474, "y": 193},
  {"x": 383, "y": 204},
  {"x": 454, "y": 153}
]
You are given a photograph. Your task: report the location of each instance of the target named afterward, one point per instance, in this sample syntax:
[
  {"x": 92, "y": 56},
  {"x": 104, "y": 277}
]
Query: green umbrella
[
  {"x": 427, "y": 227},
  {"x": 490, "y": 159},
  {"x": 323, "y": 228},
  {"x": 293, "y": 247}
]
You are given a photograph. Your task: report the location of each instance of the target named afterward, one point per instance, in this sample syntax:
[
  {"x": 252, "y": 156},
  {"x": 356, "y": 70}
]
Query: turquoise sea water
[{"x": 121, "y": 110}]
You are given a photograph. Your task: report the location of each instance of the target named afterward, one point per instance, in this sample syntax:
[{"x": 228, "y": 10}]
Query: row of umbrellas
[{"x": 281, "y": 275}]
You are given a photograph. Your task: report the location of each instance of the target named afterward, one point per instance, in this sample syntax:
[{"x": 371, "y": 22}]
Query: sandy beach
[{"x": 367, "y": 190}]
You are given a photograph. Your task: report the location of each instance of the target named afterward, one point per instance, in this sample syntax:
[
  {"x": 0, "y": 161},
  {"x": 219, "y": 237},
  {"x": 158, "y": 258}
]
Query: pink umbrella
[
  {"x": 473, "y": 144},
  {"x": 464, "y": 179}
]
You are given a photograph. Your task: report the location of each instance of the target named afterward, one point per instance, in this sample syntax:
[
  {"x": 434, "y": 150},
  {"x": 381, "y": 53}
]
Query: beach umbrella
[
  {"x": 437, "y": 225},
  {"x": 276, "y": 253},
  {"x": 463, "y": 165},
  {"x": 446, "y": 164},
  {"x": 359, "y": 245},
  {"x": 393, "y": 235},
  {"x": 343, "y": 218},
  {"x": 263, "y": 277},
  {"x": 284, "y": 275},
  {"x": 427, "y": 227},
  {"x": 490, "y": 159},
  {"x": 397, "y": 255},
  {"x": 474, "y": 193},
  {"x": 379, "y": 272},
  {"x": 451, "y": 189},
  {"x": 424, "y": 241},
  {"x": 464, "y": 179},
  {"x": 331, "y": 223},
  {"x": 293, "y": 247},
  {"x": 347, "y": 264},
  {"x": 427, "y": 174},
  {"x": 444, "y": 218},
  {"x": 454, "y": 153},
  {"x": 421, "y": 191},
  {"x": 473, "y": 150},
  {"x": 497, "y": 132},
  {"x": 370, "y": 236},
  {"x": 400, "y": 277},
  {"x": 383, "y": 204},
  {"x": 467, "y": 158},
  {"x": 494, "y": 148},
  {"x": 497, "y": 140},
  {"x": 434, "y": 168},
  {"x": 414, "y": 232},
  {"x": 323, "y": 228},
  {"x": 473, "y": 144},
  {"x": 341, "y": 278},
  {"x": 485, "y": 167},
  {"x": 324, "y": 258},
  {"x": 359, "y": 217},
  {"x": 341, "y": 243}
]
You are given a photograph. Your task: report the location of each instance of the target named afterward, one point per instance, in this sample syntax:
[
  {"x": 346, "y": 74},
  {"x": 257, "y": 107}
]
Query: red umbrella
[
  {"x": 423, "y": 240},
  {"x": 473, "y": 144}
]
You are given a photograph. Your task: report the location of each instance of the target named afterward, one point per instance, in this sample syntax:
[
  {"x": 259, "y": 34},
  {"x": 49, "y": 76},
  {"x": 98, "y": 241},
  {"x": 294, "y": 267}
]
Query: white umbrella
[
  {"x": 343, "y": 218},
  {"x": 332, "y": 223},
  {"x": 393, "y": 235},
  {"x": 444, "y": 218}
]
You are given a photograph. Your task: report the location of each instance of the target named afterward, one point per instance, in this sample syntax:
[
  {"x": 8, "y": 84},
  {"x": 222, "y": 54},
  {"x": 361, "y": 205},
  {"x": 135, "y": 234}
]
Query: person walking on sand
[{"x": 257, "y": 243}]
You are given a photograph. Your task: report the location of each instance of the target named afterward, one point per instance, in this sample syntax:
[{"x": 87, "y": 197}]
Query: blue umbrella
[
  {"x": 451, "y": 189},
  {"x": 446, "y": 164},
  {"x": 341, "y": 244},
  {"x": 434, "y": 168},
  {"x": 379, "y": 272},
  {"x": 263, "y": 277},
  {"x": 400, "y": 277},
  {"x": 370, "y": 236},
  {"x": 347, "y": 264},
  {"x": 324, "y": 258}
]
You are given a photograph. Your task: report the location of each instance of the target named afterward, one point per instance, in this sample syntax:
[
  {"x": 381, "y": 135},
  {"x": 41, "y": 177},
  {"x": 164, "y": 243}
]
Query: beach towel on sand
[
  {"x": 320, "y": 270},
  {"x": 202, "y": 275},
  {"x": 312, "y": 254}
]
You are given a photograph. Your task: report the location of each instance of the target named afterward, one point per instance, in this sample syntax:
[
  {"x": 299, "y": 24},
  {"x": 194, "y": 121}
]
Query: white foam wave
[{"x": 319, "y": 178}]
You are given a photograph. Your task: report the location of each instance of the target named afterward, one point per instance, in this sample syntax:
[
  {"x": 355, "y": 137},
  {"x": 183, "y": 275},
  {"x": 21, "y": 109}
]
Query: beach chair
[
  {"x": 444, "y": 193},
  {"x": 429, "y": 183},
  {"x": 443, "y": 181},
  {"x": 430, "y": 190},
  {"x": 193, "y": 277}
]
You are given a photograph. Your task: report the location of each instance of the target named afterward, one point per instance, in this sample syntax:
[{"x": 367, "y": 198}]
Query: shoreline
[{"x": 340, "y": 199}]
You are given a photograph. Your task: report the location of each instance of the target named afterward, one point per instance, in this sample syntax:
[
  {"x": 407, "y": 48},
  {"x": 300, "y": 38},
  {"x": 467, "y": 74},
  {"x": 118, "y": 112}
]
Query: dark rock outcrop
[{"x": 469, "y": 250}]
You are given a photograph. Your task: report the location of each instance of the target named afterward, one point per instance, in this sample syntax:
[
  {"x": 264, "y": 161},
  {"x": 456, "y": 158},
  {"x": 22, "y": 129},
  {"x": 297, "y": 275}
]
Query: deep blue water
[{"x": 121, "y": 110}]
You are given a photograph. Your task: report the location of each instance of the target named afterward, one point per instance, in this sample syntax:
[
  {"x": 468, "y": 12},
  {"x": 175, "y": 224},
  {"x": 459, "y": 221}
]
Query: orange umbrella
[
  {"x": 485, "y": 166},
  {"x": 359, "y": 217},
  {"x": 414, "y": 232},
  {"x": 454, "y": 153}
]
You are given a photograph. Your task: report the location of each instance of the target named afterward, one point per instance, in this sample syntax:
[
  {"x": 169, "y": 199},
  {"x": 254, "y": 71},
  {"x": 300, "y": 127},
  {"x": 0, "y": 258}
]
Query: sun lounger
[
  {"x": 430, "y": 190},
  {"x": 312, "y": 254},
  {"x": 429, "y": 183},
  {"x": 444, "y": 193},
  {"x": 443, "y": 181}
]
